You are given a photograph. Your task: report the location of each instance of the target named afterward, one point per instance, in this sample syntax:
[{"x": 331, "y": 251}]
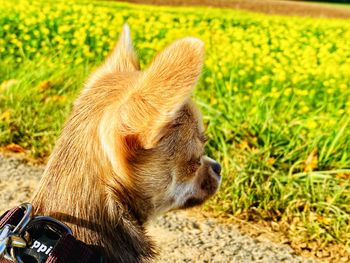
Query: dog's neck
[{"x": 74, "y": 190}]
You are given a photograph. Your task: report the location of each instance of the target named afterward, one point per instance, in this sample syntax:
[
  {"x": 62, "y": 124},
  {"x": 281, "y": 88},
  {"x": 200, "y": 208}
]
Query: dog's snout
[{"x": 216, "y": 168}]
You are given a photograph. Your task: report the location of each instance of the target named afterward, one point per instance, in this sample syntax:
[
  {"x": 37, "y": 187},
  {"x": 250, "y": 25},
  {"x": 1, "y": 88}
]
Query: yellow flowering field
[{"x": 275, "y": 93}]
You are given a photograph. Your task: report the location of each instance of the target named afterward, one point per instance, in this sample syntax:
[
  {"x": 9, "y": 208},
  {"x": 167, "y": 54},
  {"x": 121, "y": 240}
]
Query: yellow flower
[{"x": 311, "y": 124}]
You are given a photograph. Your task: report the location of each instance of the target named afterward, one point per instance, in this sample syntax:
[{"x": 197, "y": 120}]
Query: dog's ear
[
  {"x": 123, "y": 57},
  {"x": 163, "y": 88}
]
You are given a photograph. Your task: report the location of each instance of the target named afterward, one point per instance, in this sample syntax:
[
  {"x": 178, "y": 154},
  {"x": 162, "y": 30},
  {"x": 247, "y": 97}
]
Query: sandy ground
[
  {"x": 182, "y": 236},
  {"x": 297, "y": 8}
]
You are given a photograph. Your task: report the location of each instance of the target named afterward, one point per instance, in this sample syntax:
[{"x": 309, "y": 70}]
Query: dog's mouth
[{"x": 195, "y": 192}]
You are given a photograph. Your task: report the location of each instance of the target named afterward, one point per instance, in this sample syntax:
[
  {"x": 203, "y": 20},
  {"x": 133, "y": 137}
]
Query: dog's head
[{"x": 149, "y": 130}]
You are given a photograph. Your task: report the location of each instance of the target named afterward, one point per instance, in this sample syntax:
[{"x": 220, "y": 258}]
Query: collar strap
[
  {"x": 46, "y": 241},
  {"x": 69, "y": 249}
]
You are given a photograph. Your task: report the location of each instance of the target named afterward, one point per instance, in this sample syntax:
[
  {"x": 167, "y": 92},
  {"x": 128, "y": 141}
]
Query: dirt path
[
  {"x": 297, "y": 8},
  {"x": 181, "y": 236}
]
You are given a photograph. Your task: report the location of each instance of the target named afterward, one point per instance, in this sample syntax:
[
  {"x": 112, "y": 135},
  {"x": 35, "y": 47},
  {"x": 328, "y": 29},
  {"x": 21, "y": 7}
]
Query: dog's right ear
[{"x": 122, "y": 59}]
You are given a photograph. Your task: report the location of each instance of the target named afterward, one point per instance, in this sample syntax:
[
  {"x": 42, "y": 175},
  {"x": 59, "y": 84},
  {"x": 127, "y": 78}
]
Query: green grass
[
  {"x": 275, "y": 94},
  {"x": 345, "y": 5},
  {"x": 32, "y": 114}
]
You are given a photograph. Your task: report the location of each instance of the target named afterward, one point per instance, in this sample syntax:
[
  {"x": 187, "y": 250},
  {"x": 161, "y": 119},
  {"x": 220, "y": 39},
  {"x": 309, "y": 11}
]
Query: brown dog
[{"x": 132, "y": 148}]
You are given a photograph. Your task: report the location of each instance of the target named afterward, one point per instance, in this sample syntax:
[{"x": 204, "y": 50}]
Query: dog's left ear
[{"x": 154, "y": 100}]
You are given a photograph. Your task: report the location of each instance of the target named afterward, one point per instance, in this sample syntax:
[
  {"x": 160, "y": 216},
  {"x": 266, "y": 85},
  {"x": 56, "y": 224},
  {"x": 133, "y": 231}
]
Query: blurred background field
[
  {"x": 275, "y": 94},
  {"x": 336, "y": 8}
]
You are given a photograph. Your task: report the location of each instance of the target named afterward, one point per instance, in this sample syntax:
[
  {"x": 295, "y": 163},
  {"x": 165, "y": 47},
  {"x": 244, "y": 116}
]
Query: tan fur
[{"x": 132, "y": 148}]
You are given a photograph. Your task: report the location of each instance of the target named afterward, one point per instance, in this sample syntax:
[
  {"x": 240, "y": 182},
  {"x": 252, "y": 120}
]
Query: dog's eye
[
  {"x": 194, "y": 164},
  {"x": 203, "y": 138},
  {"x": 195, "y": 161}
]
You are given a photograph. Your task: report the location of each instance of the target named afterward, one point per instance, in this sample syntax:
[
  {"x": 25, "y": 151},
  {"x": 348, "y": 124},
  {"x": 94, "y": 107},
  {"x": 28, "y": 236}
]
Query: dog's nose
[{"x": 216, "y": 168}]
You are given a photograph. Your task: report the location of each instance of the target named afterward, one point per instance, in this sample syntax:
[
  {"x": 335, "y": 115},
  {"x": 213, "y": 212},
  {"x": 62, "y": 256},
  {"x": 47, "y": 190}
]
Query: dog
[{"x": 132, "y": 148}]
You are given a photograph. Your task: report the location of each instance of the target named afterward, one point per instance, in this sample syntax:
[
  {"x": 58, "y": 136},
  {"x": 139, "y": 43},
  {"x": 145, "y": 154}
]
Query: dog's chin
[
  {"x": 196, "y": 201},
  {"x": 192, "y": 202}
]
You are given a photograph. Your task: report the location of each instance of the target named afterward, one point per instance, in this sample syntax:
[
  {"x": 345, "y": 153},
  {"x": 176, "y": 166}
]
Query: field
[
  {"x": 275, "y": 94},
  {"x": 283, "y": 7}
]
